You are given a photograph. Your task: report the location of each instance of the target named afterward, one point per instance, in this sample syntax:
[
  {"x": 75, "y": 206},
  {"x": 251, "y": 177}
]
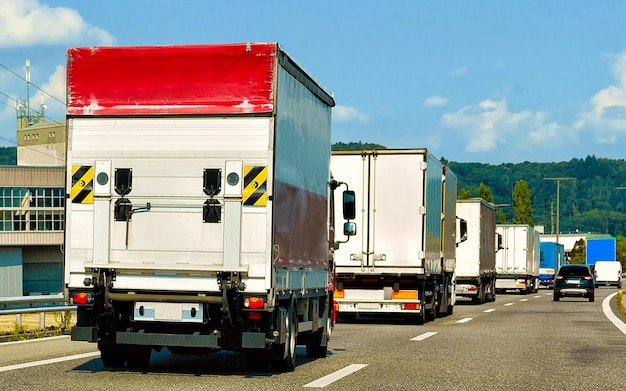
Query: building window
[{"x": 32, "y": 209}]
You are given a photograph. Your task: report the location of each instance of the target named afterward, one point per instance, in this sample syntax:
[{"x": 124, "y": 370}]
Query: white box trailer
[
  {"x": 476, "y": 257},
  {"x": 396, "y": 263},
  {"x": 517, "y": 263},
  {"x": 608, "y": 273},
  {"x": 198, "y": 217}
]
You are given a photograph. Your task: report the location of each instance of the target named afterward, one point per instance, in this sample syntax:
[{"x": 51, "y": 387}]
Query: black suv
[{"x": 574, "y": 280}]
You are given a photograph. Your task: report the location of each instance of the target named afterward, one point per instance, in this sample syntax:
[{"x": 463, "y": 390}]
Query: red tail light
[
  {"x": 254, "y": 315},
  {"x": 82, "y": 298},
  {"x": 254, "y": 303},
  {"x": 472, "y": 288},
  {"x": 409, "y": 306},
  {"x": 588, "y": 277},
  {"x": 558, "y": 277}
]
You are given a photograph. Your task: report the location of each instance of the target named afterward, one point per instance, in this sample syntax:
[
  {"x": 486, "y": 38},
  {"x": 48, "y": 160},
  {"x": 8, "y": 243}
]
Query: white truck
[
  {"x": 608, "y": 273},
  {"x": 476, "y": 257},
  {"x": 200, "y": 203},
  {"x": 401, "y": 262},
  {"x": 517, "y": 262}
]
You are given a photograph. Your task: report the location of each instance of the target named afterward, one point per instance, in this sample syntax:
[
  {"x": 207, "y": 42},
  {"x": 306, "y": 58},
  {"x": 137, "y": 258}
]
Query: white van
[{"x": 608, "y": 273}]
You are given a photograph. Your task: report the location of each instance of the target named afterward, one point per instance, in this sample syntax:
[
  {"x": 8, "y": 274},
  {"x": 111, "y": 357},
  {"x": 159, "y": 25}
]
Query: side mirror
[
  {"x": 349, "y": 228},
  {"x": 499, "y": 241},
  {"x": 349, "y": 208}
]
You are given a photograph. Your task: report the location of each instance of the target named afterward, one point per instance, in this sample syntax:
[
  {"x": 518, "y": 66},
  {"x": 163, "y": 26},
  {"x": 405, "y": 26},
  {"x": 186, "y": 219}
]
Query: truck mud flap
[
  {"x": 89, "y": 334},
  {"x": 158, "y": 339}
]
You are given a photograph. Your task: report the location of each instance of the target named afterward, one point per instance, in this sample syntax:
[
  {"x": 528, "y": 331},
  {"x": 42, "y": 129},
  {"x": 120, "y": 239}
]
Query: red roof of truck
[{"x": 161, "y": 80}]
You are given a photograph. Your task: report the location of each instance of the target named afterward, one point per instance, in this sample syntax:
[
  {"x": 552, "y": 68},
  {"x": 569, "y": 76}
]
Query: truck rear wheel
[
  {"x": 314, "y": 345},
  {"x": 112, "y": 359},
  {"x": 139, "y": 359},
  {"x": 288, "y": 362}
]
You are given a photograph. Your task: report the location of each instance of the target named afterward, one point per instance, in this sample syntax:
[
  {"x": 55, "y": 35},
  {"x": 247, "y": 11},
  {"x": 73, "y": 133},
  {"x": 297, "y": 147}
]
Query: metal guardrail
[
  {"x": 18, "y": 305},
  {"x": 26, "y": 302}
]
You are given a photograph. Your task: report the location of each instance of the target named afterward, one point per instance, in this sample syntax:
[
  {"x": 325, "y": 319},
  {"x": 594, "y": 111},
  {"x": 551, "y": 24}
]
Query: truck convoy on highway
[
  {"x": 517, "y": 263},
  {"x": 552, "y": 257},
  {"x": 476, "y": 257},
  {"x": 401, "y": 261},
  {"x": 200, "y": 213}
]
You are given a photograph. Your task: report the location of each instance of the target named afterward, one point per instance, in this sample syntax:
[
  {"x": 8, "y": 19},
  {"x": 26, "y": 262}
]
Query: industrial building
[{"x": 32, "y": 203}]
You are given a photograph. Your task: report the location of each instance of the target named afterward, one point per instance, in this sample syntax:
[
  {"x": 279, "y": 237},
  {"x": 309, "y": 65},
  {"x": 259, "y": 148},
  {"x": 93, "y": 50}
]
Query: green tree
[
  {"x": 501, "y": 217},
  {"x": 464, "y": 194},
  {"x": 577, "y": 255},
  {"x": 485, "y": 193},
  {"x": 522, "y": 210}
]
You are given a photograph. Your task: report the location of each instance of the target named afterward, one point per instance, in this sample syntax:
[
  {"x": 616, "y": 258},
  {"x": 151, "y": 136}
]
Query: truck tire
[
  {"x": 139, "y": 359},
  {"x": 314, "y": 346},
  {"x": 112, "y": 358},
  {"x": 288, "y": 362}
]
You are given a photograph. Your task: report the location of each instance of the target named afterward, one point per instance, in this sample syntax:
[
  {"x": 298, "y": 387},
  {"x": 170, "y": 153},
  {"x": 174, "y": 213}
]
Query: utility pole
[{"x": 558, "y": 186}]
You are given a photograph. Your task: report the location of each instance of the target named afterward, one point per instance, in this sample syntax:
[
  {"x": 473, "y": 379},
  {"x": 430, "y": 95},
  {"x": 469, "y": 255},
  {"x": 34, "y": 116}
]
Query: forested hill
[
  {"x": 593, "y": 201},
  {"x": 8, "y": 156}
]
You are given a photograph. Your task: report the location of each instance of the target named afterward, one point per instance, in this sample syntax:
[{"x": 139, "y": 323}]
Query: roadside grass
[
  {"x": 620, "y": 300},
  {"x": 55, "y": 323}
]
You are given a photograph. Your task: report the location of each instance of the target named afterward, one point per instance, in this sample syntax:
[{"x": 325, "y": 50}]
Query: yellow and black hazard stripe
[
  {"x": 255, "y": 185},
  {"x": 82, "y": 184}
]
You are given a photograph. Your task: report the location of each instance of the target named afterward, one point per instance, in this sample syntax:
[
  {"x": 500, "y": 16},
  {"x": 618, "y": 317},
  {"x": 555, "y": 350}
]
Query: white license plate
[
  {"x": 573, "y": 281},
  {"x": 367, "y": 306}
]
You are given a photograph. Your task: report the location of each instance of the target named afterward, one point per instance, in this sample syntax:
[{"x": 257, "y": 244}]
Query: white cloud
[
  {"x": 489, "y": 125},
  {"x": 436, "y": 101},
  {"x": 605, "y": 115},
  {"x": 349, "y": 114},
  {"x": 29, "y": 22},
  {"x": 459, "y": 71}
]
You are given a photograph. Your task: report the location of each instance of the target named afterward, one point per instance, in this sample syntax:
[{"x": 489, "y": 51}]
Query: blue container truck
[
  {"x": 552, "y": 257},
  {"x": 600, "y": 249}
]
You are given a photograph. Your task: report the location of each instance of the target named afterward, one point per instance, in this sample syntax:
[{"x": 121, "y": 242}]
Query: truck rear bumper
[{"x": 248, "y": 340}]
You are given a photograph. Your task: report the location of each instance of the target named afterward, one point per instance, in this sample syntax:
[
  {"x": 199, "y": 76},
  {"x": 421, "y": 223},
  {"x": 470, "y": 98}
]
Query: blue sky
[{"x": 473, "y": 81}]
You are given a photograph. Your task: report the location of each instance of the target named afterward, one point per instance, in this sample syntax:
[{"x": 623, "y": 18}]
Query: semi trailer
[{"x": 401, "y": 261}]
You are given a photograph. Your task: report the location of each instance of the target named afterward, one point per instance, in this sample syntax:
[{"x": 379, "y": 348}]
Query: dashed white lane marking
[
  {"x": 536, "y": 297},
  {"x": 333, "y": 377},
  {"x": 490, "y": 310},
  {"x": 610, "y": 315},
  {"x": 49, "y": 361},
  {"x": 424, "y": 336},
  {"x": 464, "y": 320},
  {"x": 524, "y": 300},
  {"x": 508, "y": 304}
]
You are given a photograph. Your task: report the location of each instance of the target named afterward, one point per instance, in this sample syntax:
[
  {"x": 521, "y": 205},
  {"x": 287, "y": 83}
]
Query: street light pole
[{"x": 558, "y": 186}]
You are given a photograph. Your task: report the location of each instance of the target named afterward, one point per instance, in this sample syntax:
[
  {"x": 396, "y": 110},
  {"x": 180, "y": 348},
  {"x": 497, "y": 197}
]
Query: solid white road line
[
  {"x": 49, "y": 361},
  {"x": 490, "y": 310},
  {"x": 328, "y": 379},
  {"x": 464, "y": 320},
  {"x": 423, "y": 336},
  {"x": 610, "y": 315}
]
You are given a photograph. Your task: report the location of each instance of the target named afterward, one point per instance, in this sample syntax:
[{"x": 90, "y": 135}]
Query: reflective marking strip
[
  {"x": 82, "y": 184},
  {"x": 422, "y": 337},
  {"x": 464, "y": 320},
  {"x": 255, "y": 186},
  {"x": 333, "y": 377}
]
